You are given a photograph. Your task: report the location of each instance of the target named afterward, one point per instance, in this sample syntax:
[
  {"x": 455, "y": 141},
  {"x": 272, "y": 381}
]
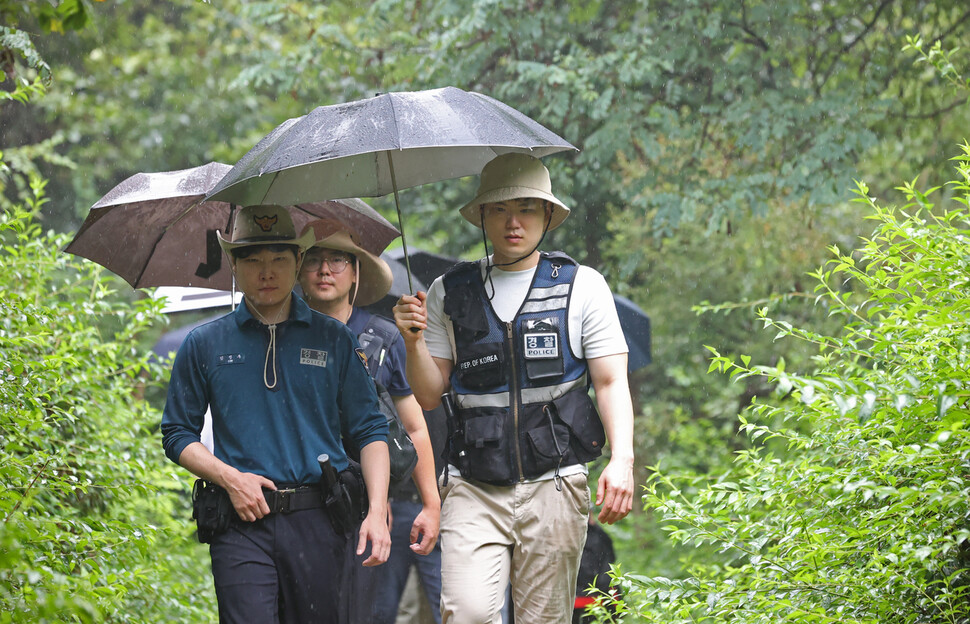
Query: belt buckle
[{"x": 283, "y": 499}]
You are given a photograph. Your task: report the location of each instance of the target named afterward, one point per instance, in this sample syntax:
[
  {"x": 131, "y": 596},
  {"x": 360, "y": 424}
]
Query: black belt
[{"x": 294, "y": 499}]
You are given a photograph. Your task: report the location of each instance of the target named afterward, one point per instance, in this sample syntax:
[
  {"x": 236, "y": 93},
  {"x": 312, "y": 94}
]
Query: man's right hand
[
  {"x": 246, "y": 493},
  {"x": 411, "y": 316}
]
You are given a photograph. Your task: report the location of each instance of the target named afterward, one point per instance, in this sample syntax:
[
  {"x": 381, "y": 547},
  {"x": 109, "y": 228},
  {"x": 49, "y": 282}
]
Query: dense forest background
[{"x": 721, "y": 144}]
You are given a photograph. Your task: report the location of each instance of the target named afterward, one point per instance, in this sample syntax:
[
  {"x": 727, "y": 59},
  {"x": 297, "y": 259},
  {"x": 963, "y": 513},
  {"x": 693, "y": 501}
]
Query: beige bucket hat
[
  {"x": 374, "y": 276},
  {"x": 514, "y": 176},
  {"x": 263, "y": 225}
]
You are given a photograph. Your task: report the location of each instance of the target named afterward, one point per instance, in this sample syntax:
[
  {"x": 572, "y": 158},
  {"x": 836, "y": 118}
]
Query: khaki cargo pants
[{"x": 529, "y": 533}]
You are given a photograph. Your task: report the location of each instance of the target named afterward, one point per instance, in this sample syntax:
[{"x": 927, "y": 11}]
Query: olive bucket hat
[
  {"x": 264, "y": 225},
  {"x": 514, "y": 176}
]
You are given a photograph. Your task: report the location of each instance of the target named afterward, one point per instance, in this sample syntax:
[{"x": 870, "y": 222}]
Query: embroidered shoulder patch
[
  {"x": 313, "y": 357},
  {"x": 363, "y": 358}
]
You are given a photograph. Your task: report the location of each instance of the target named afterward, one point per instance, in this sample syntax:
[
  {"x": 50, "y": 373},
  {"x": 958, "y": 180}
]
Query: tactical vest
[{"x": 522, "y": 402}]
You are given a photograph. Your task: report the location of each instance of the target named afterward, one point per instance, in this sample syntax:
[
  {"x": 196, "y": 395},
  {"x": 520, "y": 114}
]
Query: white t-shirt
[{"x": 594, "y": 328}]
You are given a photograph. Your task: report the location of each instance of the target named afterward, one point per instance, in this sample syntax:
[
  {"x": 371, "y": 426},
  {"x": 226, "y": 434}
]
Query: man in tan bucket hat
[
  {"x": 337, "y": 276},
  {"x": 283, "y": 385},
  {"x": 514, "y": 342}
]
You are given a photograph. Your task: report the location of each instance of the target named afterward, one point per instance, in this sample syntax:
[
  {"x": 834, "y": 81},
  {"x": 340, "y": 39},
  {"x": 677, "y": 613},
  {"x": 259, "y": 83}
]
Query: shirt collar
[{"x": 299, "y": 313}]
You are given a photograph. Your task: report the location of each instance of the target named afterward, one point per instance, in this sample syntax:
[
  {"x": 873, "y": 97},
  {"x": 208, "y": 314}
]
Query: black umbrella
[
  {"x": 380, "y": 145},
  {"x": 155, "y": 229}
]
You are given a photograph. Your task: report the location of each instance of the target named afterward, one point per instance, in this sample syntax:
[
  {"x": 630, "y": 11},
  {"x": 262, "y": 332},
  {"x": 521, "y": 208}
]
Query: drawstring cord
[
  {"x": 270, "y": 348},
  {"x": 562, "y": 454}
]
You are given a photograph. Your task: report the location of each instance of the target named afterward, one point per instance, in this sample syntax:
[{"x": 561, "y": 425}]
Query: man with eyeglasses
[{"x": 337, "y": 275}]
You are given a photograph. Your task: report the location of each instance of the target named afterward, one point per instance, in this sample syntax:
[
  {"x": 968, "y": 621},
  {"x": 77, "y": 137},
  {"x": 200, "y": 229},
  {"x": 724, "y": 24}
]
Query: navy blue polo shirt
[{"x": 323, "y": 391}]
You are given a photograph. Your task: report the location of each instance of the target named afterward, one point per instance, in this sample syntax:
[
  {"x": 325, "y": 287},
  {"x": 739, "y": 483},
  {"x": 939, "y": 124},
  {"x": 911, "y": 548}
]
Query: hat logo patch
[{"x": 266, "y": 223}]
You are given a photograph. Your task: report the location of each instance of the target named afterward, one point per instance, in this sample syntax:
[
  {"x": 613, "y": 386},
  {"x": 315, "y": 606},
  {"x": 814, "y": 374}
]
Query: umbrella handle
[{"x": 400, "y": 223}]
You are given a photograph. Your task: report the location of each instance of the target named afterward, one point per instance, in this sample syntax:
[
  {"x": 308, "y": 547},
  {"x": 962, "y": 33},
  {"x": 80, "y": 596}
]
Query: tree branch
[{"x": 848, "y": 46}]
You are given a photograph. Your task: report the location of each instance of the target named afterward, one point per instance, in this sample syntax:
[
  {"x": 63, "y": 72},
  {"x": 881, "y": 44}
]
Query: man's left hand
[
  {"x": 374, "y": 530},
  {"x": 425, "y": 527},
  {"x": 614, "y": 490}
]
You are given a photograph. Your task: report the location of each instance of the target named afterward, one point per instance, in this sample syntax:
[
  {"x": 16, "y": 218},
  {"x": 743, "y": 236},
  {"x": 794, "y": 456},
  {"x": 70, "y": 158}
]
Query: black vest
[{"x": 523, "y": 407}]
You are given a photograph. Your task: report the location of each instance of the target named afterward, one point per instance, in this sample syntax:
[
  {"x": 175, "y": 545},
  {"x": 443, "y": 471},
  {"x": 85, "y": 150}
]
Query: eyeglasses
[{"x": 336, "y": 264}]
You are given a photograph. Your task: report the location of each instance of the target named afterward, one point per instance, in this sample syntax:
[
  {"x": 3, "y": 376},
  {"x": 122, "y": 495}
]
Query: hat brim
[
  {"x": 470, "y": 211},
  {"x": 374, "y": 276},
  {"x": 303, "y": 241}
]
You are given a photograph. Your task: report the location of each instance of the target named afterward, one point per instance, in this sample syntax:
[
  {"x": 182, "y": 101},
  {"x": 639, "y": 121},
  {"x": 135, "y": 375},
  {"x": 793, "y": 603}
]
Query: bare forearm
[
  {"x": 198, "y": 460},
  {"x": 375, "y": 465},
  {"x": 424, "y": 473},
  {"x": 616, "y": 412}
]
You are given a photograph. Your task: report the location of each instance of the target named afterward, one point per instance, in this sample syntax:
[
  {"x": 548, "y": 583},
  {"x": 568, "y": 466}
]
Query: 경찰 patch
[{"x": 313, "y": 357}]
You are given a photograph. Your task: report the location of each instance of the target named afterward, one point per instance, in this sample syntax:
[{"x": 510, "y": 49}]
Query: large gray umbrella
[
  {"x": 154, "y": 229},
  {"x": 380, "y": 145}
]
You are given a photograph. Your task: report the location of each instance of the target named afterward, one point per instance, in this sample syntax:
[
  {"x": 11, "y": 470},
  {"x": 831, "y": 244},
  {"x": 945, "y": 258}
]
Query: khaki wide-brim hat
[
  {"x": 514, "y": 176},
  {"x": 263, "y": 225},
  {"x": 374, "y": 276}
]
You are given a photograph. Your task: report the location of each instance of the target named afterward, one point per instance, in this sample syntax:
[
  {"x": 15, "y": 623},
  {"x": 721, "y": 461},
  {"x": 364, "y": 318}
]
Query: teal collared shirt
[{"x": 322, "y": 392}]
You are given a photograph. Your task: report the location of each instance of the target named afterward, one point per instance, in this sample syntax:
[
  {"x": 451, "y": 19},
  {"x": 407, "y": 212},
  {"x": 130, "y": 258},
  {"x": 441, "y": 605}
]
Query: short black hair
[{"x": 244, "y": 252}]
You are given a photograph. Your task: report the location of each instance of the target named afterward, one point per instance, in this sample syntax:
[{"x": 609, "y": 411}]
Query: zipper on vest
[{"x": 515, "y": 399}]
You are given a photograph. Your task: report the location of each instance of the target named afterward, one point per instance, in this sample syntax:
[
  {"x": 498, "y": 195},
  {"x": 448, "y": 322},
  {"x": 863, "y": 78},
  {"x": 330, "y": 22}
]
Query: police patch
[
  {"x": 541, "y": 339},
  {"x": 541, "y": 346},
  {"x": 360, "y": 354},
  {"x": 313, "y": 357}
]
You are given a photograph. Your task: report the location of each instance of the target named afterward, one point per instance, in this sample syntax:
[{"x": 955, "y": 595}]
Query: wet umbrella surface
[
  {"x": 154, "y": 229},
  {"x": 380, "y": 145}
]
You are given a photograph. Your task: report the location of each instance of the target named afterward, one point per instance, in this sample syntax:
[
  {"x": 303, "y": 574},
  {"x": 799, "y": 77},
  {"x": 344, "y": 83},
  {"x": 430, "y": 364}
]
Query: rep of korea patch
[
  {"x": 541, "y": 339},
  {"x": 313, "y": 357},
  {"x": 362, "y": 356}
]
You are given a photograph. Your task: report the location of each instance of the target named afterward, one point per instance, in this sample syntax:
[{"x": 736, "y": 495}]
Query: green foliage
[
  {"x": 93, "y": 516},
  {"x": 860, "y": 513}
]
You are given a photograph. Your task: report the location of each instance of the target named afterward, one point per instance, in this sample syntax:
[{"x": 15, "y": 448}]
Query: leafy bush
[
  {"x": 93, "y": 517},
  {"x": 862, "y": 514}
]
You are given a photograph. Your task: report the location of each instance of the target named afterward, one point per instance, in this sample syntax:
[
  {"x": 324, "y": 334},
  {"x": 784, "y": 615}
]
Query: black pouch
[
  {"x": 577, "y": 411},
  {"x": 345, "y": 497},
  {"x": 482, "y": 366},
  {"x": 548, "y": 443},
  {"x": 400, "y": 448},
  {"x": 401, "y": 452},
  {"x": 541, "y": 349},
  {"x": 485, "y": 455},
  {"x": 211, "y": 509}
]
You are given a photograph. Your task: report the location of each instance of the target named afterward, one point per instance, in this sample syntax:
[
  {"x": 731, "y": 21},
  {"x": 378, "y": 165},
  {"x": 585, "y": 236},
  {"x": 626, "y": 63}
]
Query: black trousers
[{"x": 281, "y": 569}]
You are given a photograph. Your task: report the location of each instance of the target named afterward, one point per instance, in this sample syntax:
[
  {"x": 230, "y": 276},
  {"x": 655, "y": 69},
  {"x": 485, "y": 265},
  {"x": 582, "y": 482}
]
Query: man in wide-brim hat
[
  {"x": 337, "y": 276},
  {"x": 515, "y": 339},
  {"x": 283, "y": 383}
]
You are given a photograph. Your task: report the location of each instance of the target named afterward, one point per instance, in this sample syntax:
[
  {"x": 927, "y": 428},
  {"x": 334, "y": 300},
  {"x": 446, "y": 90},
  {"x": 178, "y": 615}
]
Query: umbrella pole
[{"x": 400, "y": 222}]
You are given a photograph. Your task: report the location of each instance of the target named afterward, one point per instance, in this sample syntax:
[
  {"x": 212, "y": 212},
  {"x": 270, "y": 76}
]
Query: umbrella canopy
[
  {"x": 382, "y": 144},
  {"x": 154, "y": 229},
  {"x": 636, "y": 330}
]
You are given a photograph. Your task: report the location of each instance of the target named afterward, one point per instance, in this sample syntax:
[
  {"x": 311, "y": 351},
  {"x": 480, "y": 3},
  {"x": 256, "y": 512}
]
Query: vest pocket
[
  {"x": 548, "y": 444},
  {"x": 577, "y": 411},
  {"x": 485, "y": 456},
  {"x": 482, "y": 366}
]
